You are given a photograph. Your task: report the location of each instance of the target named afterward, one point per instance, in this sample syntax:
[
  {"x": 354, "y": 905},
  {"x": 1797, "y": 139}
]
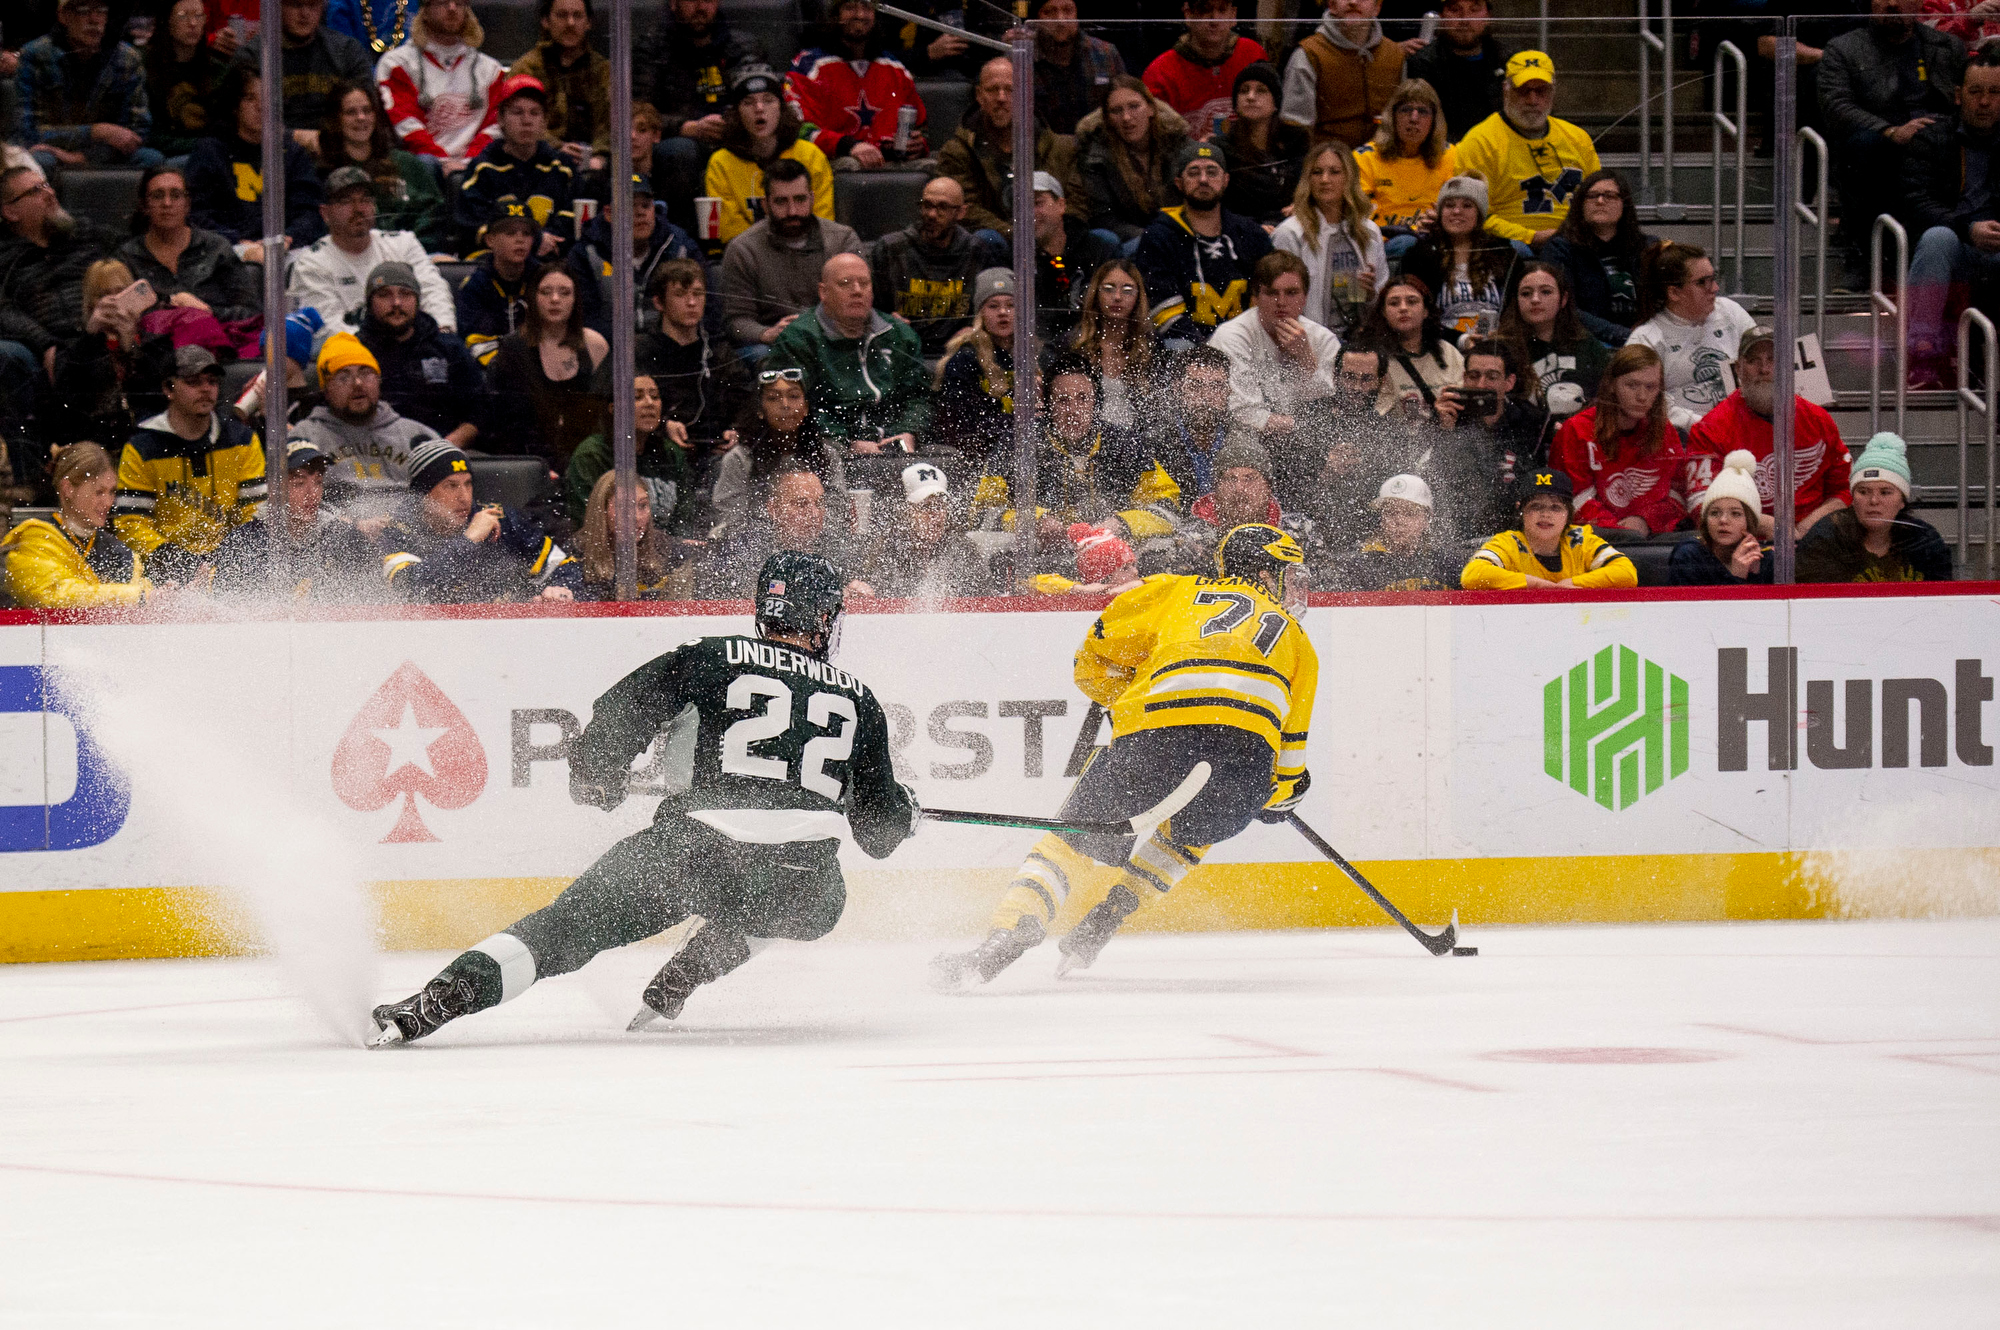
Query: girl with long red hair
[{"x": 1622, "y": 454}]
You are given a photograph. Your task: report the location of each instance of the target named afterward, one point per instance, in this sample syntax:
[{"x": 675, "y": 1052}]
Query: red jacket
[
  {"x": 1200, "y": 92},
  {"x": 1820, "y": 460},
  {"x": 1628, "y": 485},
  {"x": 839, "y": 108}
]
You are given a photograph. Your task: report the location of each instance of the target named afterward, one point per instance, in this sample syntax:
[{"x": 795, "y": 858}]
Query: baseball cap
[
  {"x": 749, "y": 79},
  {"x": 641, "y": 185},
  {"x": 392, "y": 274},
  {"x": 1408, "y": 488},
  {"x": 1530, "y": 67},
  {"x": 922, "y": 480},
  {"x": 190, "y": 361},
  {"x": 510, "y": 213},
  {"x": 300, "y": 454},
  {"x": 520, "y": 85},
  {"x": 345, "y": 178},
  {"x": 1549, "y": 480},
  {"x": 1046, "y": 183},
  {"x": 1199, "y": 152},
  {"x": 1751, "y": 336}
]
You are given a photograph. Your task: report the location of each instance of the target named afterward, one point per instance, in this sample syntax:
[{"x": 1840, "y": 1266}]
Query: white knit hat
[{"x": 1737, "y": 480}]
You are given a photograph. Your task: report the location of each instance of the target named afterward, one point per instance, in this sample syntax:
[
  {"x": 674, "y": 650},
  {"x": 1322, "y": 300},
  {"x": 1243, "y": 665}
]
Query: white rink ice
[{"x": 1305, "y": 1129}]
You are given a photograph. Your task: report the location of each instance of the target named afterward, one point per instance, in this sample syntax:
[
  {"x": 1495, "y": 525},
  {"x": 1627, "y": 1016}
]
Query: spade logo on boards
[
  {"x": 408, "y": 741},
  {"x": 1615, "y": 727}
]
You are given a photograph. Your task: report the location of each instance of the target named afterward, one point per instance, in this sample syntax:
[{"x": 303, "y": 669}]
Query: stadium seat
[
  {"x": 107, "y": 196},
  {"x": 235, "y": 378},
  {"x": 1649, "y": 554},
  {"x": 454, "y": 274},
  {"x": 512, "y": 482},
  {"x": 875, "y": 203},
  {"x": 945, "y": 104}
]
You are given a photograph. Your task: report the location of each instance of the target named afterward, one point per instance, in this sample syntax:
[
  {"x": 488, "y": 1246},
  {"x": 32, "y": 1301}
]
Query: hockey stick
[
  {"x": 1141, "y": 825},
  {"x": 1439, "y": 945}
]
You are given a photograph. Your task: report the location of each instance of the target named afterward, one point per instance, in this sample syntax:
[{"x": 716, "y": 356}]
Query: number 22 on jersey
[{"x": 832, "y": 713}]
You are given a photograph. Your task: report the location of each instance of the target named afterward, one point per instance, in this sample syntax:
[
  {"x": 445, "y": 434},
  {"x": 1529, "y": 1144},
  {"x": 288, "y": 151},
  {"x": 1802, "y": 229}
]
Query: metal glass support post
[
  {"x": 1649, "y": 42},
  {"x": 271, "y": 56},
  {"x": 1025, "y": 396},
  {"x": 1542, "y": 28},
  {"x": 624, "y": 449},
  {"x": 1669, "y": 211},
  {"x": 1897, "y": 309},
  {"x": 1739, "y": 134},
  {"x": 1784, "y": 307},
  {"x": 1817, "y": 216},
  {"x": 1985, "y": 404}
]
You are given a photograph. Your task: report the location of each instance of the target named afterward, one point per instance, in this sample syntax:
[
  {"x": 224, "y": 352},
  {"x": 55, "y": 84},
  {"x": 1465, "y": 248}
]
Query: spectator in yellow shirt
[
  {"x": 1404, "y": 164},
  {"x": 1534, "y": 163},
  {"x": 1544, "y": 551},
  {"x": 71, "y": 561}
]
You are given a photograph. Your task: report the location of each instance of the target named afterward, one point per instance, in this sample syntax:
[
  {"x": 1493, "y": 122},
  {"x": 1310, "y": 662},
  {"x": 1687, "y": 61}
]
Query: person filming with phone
[{"x": 1488, "y": 434}]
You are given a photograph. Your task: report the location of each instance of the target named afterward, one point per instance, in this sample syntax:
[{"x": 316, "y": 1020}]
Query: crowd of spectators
[{"x": 1374, "y": 291}]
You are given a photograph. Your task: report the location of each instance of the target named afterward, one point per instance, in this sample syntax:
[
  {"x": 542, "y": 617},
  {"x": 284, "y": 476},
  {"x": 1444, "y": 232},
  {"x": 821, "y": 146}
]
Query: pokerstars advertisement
[{"x": 437, "y": 746}]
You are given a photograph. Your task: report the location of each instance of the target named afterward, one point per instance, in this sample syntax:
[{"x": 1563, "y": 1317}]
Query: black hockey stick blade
[
  {"x": 1141, "y": 825},
  {"x": 1439, "y": 944}
]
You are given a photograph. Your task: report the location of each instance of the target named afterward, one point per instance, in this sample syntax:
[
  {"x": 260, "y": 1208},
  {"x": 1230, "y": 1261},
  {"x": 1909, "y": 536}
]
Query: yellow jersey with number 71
[{"x": 1196, "y": 650}]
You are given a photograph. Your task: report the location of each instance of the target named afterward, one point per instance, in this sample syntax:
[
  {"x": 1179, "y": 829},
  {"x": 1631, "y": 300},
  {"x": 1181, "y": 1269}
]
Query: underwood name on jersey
[{"x": 743, "y": 651}]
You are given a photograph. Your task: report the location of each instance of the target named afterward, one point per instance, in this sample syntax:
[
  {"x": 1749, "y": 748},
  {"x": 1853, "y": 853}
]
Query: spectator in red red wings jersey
[
  {"x": 439, "y": 86},
  {"x": 851, "y": 94},
  {"x": 1743, "y": 420},
  {"x": 1198, "y": 76},
  {"x": 1623, "y": 455}
]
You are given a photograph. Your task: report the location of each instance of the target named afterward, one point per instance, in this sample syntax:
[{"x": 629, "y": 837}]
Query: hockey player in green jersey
[{"x": 778, "y": 750}]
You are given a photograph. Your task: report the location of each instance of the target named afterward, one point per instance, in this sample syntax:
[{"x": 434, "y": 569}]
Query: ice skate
[
  {"x": 709, "y": 953},
  {"x": 441, "y": 1000},
  {"x": 954, "y": 971},
  {"x": 1080, "y": 946}
]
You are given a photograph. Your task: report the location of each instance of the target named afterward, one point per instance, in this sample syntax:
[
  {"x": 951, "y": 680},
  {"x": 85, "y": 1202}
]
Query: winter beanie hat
[
  {"x": 1885, "y": 458},
  {"x": 1465, "y": 187},
  {"x": 1737, "y": 480},
  {"x": 432, "y": 460},
  {"x": 991, "y": 282},
  {"x": 1241, "y": 448},
  {"x": 1260, "y": 71}
]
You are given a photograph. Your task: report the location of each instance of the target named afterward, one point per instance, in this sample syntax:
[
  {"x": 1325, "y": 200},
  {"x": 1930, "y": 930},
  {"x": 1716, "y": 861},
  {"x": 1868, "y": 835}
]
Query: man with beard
[
  {"x": 1879, "y": 87},
  {"x": 440, "y": 88},
  {"x": 1243, "y": 493},
  {"x": 41, "y": 266},
  {"x": 83, "y": 99},
  {"x": 770, "y": 273},
  {"x": 1533, "y": 162},
  {"x": 427, "y": 374},
  {"x": 924, "y": 274},
  {"x": 1197, "y": 258},
  {"x": 1185, "y": 440},
  {"x": 851, "y": 93},
  {"x": 684, "y": 69},
  {"x": 363, "y": 438},
  {"x": 1463, "y": 63},
  {"x": 794, "y": 518},
  {"x": 1820, "y": 460}
]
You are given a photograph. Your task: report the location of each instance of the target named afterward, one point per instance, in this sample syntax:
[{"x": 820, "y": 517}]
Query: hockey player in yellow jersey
[
  {"x": 1214, "y": 669},
  {"x": 1533, "y": 162}
]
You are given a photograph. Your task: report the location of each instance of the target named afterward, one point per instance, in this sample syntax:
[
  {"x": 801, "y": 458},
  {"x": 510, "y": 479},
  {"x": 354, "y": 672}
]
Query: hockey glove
[
  {"x": 916, "y": 808},
  {"x": 1280, "y": 809}
]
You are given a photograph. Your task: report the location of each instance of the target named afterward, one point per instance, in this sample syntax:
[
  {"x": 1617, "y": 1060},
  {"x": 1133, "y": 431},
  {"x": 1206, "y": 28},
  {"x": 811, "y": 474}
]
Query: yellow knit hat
[{"x": 342, "y": 350}]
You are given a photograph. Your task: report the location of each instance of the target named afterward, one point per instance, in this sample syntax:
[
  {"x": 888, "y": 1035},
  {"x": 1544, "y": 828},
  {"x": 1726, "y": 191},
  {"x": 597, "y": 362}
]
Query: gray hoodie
[
  {"x": 764, "y": 279},
  {"x": 370, "y": 474}
]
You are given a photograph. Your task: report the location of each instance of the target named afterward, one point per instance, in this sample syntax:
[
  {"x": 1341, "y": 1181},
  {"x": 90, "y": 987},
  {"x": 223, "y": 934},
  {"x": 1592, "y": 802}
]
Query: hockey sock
[
  {"x": 1044, "y": 880},
  {"x": 1158, "y": 864},
  {"x": 500, "y": 969}
]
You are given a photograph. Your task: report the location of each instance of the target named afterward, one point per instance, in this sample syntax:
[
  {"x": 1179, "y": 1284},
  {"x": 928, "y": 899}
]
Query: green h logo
[{"x": 1601, "y": 726}]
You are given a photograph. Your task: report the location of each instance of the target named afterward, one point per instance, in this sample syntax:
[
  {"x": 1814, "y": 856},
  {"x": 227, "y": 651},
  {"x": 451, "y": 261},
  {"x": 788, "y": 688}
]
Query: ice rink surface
[{"x": 1748, "y": 1125}]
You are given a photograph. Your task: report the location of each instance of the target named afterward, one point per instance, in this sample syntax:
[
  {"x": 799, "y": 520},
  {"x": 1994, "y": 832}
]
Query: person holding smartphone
[{"x": 1490, "y": 434}]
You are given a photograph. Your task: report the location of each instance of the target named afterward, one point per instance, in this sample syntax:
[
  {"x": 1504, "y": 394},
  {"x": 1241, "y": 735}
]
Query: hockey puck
[{"x": 1465, "y": 951}]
